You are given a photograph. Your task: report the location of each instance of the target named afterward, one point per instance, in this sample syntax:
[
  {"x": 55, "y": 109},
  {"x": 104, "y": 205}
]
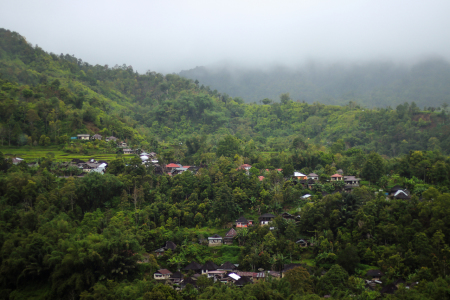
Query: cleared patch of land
[{"x": 34, "y": 153}]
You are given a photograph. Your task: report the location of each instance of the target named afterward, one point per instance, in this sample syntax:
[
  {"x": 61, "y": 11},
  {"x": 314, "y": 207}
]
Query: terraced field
[{"x": 31, "y": 154}]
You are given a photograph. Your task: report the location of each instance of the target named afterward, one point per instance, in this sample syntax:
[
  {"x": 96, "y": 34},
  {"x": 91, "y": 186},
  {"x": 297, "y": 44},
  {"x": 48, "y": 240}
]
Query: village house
[
  {"x": 351, "y": 181},
  {"x": 336, "y": 177},
  {"x": 302, "y": 243},
  {"x": 266, "y": 218},
  {"x": 299, "y": 176},
  {"x": 172, "y": 166},
  {"x": 208, "y": 267},
  {"x": 122, "y": 144},
  {"x": 88, "y": 167},
  {"x": 176, "y": 277},
  {"x": 402, "y": 194},
  {"x": 83, "y": 136},
  {"x": 17, "y": 160},
  {"x": 229, "y": 237},
  {"x": 217, "y": 275},
  {"x": 162, "y": 274},
  {"x": 215, "y": 240},
  {"x": 169, "y": 245},
  {"x": 128, "y": 151},
  {"x": 245, "y": 167},
  {"x": 96, "y": 137},
  {"x": 227, "y": 266},
  {"x": 287, "y": 216},
  {"x": 243, "y": 222},
  {"x": 313, "y": 176},
  {"x": 111, "y": 138}
]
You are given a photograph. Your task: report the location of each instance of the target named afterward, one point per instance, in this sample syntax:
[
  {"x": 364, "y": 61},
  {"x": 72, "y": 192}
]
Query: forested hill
[
  {"x": 49, "y": 97},
  {"x": 374, "y": 84}
]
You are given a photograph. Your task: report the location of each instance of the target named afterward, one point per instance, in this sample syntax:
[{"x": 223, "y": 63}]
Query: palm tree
[
  {"x": 242, "y": 234},
  {"x": 281, "y": 260},
  {"x": 176, "y": 260}
]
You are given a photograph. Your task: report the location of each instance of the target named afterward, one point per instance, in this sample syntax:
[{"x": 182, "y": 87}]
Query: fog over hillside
[
  {"x": 371, "y": 83},
  {"x": 169, "y": 36}
]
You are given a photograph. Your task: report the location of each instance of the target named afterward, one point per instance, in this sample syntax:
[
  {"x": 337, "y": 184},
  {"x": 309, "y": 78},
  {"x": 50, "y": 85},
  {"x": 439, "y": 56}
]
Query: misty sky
[{"x": 172, "y": 35}]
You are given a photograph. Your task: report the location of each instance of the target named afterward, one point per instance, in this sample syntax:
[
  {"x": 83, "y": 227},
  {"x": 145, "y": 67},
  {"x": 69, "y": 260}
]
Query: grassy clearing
[{"x": 34, "y": 153}]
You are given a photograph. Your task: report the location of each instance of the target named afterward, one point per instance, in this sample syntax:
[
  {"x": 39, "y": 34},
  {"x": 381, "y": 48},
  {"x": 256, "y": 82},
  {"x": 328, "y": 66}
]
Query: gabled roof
[
  {"x": 209, "y": 266},
  {"x": 164, "y": 272},
  {"x": 313, "y": 175},
  {"x": 241, "y": 219},
  {"x": 170, "y": 245},
  {"x": 231, "y": 233},
  {"x": 234, "y": 276},
  {"x": 402, "y": 194},
  {"x": 261, "y": 178},
  {"x": 193, "y": 266},
  {"x": 246, "y": 166},
  {"x": 336, "y": 176},
  {"x": 228, "y": 266},
  {"x": 299, "y": 174},
  {"x": 172, "y": 165},
  {"x": 396, "y": 188}
]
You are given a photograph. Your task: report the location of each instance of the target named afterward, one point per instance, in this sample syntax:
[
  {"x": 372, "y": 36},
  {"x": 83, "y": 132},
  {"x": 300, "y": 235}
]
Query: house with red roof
[
  {"x": 337, "y": 177},
  {"x": 172, "y": 165},
  {"x": 246, "y": 166},
  {"x": 162, "y": 274}
]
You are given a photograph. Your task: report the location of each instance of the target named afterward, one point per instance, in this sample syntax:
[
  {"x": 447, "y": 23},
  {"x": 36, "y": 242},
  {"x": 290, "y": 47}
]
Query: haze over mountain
[
  {"x": 374, "y": 83},
  {"x": 170, "y": 36}
]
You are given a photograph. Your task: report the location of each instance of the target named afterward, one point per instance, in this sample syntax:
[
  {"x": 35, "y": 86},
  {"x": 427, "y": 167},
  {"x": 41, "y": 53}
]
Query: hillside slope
[{"x": 44, "y": 95}]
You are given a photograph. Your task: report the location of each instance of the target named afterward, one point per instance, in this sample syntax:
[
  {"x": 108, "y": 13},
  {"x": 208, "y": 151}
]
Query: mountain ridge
[{"x": 371, "y": 84}]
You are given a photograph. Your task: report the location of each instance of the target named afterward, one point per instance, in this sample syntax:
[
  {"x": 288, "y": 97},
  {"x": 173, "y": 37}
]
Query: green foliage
[
  {"x": 300, "y": 280},
  {"x": 334, "y": 280}
]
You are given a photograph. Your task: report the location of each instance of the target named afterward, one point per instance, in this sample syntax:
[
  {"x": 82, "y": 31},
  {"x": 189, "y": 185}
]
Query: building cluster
[
  {"x": 308, "y": 181},
  {"x": 92, "y": 165},
  {"x": 226, "y": 273},
  {"x": 373, "y": 279}
]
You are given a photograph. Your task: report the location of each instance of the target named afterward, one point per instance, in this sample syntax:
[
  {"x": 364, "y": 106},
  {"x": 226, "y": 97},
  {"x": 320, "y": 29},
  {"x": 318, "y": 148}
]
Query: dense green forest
[
  {"x": 371, "y": 84},
  {"x": 94, "y": 236}
]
